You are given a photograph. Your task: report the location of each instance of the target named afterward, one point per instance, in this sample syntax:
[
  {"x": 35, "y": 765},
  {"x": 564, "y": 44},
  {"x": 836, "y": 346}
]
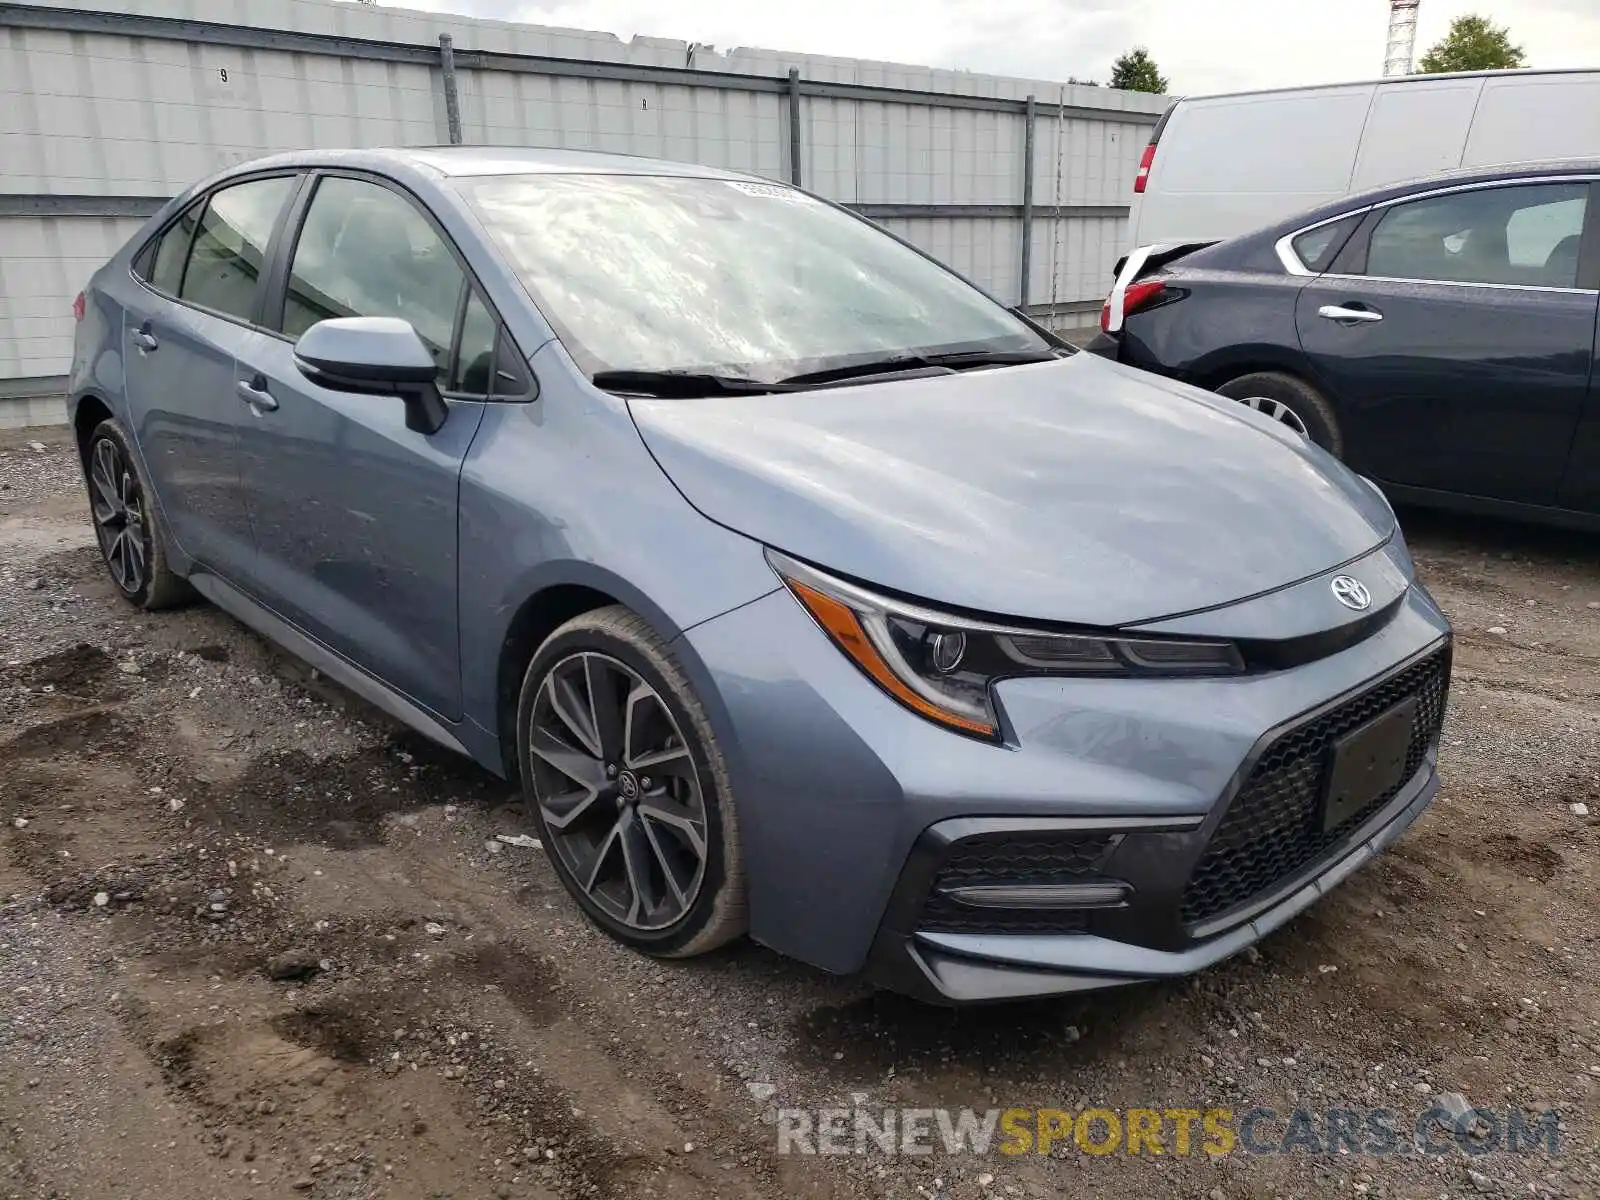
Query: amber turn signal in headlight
[{"x": 942, "y": 666}]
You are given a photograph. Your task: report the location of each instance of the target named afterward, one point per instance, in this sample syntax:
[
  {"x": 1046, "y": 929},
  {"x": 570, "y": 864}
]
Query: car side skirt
[{"x": 275, "y": 629}]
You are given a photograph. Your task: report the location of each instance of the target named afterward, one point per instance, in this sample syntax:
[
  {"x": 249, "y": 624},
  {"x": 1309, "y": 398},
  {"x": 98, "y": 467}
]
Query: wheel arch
[
  {"x": 1224, "y": 366},
  {"x": 88, "y": 412},
  {"x": 540, "y": 615}
]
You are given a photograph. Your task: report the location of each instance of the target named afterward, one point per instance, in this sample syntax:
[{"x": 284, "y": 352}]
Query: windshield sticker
[{"x": 772, "y": 191}]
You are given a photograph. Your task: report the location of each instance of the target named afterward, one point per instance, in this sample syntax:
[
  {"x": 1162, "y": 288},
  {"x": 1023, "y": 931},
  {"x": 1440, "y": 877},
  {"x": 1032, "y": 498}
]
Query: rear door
[
  {"x": 1456, "y": 334},
  {"x": 355, "y": 514},
  {"x": 182, "y": 327}
]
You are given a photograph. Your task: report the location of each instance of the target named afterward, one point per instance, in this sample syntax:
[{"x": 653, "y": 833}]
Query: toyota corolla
[{"x": 807, "y": 591}]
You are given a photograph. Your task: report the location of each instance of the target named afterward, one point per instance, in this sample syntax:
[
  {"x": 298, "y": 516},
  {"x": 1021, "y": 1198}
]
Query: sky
[{"x": 1200, "y": 45}]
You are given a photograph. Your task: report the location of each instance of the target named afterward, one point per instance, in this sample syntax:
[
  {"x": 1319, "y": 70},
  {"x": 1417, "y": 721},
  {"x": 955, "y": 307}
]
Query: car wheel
[
  {"x": 629, "y": 791},
  {"x": 127, "y": 523},
  {"x": 1290, "y": 401}
]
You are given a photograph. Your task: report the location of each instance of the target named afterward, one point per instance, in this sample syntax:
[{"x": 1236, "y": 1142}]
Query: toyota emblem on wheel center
[{"x": 1351, "y": 593}]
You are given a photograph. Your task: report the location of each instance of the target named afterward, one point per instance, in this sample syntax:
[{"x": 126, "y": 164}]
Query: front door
[
  {"x": 1459, "y": 351},
  {"x": 183, "y": 325},
  {"x": 354, "y": 514}
]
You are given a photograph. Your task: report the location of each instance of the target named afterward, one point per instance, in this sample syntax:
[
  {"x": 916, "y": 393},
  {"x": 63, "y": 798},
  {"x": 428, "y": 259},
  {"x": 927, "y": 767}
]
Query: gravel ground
[{"x": 256, "y": 941}]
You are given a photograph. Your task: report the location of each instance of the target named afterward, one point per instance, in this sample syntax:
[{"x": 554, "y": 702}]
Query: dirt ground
[{"x": 255, "y": 941}]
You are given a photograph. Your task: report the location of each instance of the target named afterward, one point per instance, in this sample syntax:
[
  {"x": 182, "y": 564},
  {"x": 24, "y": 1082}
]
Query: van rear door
[
  {"x": 1522, "y": 118},
  {"x": 1226, "y": 165}
]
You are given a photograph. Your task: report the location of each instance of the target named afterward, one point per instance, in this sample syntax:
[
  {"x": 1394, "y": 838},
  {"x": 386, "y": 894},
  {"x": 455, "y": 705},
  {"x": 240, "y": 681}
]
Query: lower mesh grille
[
  {"x": 1273, "y": 830},
  {"x": 1013, "y": 858}
]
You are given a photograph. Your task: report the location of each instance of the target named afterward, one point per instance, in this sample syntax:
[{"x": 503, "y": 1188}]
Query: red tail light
[
  {"x": 78, "y": 308},
  {"x": 1139, "y": 295},
  {"x": 1145, "y": 163}
]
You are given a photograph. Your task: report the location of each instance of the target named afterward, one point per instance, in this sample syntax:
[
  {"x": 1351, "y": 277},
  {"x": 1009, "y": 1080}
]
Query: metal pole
[
  {"x": 452, "y": 99},
  {"x": 1027, "y": 201},
  {"x": 794, "y": 126}
]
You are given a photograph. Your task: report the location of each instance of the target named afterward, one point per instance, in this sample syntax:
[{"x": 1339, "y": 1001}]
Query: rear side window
[
  {"x": 366, "y": 251},
  {"x": 1317, "y": 248},
  {"x": 1525, "y": 235},
  {"x": 171, "y": 251},
  {"x": 230, "y": 246}
]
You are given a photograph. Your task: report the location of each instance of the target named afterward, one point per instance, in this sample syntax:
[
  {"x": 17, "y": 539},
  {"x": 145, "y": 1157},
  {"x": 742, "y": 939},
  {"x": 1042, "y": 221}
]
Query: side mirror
[{"x": 375, "y": 356}]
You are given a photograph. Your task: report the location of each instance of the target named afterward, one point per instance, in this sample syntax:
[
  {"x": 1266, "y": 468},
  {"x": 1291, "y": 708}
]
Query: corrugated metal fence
[{"x": 109, "y": 106}]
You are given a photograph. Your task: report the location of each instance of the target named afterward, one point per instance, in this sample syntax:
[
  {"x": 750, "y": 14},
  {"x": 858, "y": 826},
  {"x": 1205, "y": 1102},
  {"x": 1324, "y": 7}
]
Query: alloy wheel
[
  {"x": 621, "y": 799},
  {"x": 1278, "y": 411},
  {"x": 119, "y": 517}
]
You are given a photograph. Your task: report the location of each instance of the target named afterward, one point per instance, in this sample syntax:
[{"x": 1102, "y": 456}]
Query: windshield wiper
[
  {"x": 686, "y": 384},
  {"x": 682, "y": 383},
  {"x": 955, "y": 360}
]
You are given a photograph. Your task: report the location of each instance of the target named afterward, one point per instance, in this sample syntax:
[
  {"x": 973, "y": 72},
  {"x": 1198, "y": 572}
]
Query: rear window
[{"x": 1317, "y": 248}]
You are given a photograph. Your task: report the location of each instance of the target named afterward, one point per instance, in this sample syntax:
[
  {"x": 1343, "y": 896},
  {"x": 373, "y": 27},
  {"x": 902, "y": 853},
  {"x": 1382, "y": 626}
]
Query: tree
[
  {"x": 1473, "y": 44},
  {"x": 1083, "y": 82},
  {"x": 1136, "y": 71}
]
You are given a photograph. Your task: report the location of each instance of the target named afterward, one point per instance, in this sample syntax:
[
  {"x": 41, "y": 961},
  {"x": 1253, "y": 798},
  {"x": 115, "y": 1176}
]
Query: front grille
[
  {"x": 1014, "y": 858},
  {"x": 1273, "y": 829}
]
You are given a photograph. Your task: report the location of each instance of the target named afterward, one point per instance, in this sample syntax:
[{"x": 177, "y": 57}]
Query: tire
[
  {"x": 1292, "y": 401},
  {"x": 127, "y": 522},
  {"x": 658, "y": 896}
]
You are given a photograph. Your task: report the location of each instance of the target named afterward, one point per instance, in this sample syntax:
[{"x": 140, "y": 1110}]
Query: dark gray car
[
  {"x": 1438, "y": 335},
  {"x": 806, "y": 589}
]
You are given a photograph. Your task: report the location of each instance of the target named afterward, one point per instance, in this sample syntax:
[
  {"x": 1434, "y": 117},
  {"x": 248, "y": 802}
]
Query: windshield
[{"x": 756, "y": 280}]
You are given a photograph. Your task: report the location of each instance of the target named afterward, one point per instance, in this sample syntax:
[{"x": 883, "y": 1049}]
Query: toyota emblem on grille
[{"x": 1351, "y": 593}]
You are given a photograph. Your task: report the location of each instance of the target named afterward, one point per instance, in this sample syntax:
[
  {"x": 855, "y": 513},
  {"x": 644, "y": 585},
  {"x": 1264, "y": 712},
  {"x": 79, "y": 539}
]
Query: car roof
[{"x": 462, "y": 161}]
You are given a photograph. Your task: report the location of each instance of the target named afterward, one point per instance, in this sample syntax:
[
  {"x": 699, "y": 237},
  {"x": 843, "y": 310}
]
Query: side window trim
[
  {"x": 285, "y": 231},
  {"x": 1351, "y": 261},
  {"x": 1589, "y": 248},
  {"x": 287, "y": 236},
  {"x": 463, "y": 298}
]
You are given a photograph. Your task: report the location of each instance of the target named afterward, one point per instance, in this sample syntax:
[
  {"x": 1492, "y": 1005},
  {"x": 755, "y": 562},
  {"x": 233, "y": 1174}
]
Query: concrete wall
[{"x": 109, "y": 106}]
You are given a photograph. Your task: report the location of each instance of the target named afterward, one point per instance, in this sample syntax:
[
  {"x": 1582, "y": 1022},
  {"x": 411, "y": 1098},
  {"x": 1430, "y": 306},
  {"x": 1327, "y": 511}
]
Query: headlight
[{"x": 942, "y": 666}]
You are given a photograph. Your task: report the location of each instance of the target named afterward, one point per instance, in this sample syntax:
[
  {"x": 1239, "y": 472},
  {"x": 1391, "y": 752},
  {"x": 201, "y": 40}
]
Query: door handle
[
  {"x": 1338, "y": 312},
  {"x": 254, "y": 393},
  {"x": 145, "y": 340}
]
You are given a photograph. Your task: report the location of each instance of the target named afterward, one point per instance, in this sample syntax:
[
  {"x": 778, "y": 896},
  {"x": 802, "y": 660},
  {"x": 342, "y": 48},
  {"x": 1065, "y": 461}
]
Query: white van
[{"x": 1217, "y": 166}]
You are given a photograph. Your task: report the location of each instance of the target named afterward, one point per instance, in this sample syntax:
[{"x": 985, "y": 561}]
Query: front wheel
[
  {"x": 630, "y": 794},
  {"x": 1291, "y": 402}
]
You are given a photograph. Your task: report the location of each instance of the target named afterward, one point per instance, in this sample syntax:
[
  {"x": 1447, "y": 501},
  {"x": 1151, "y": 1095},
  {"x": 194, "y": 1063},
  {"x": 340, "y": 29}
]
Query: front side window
[
  {"x": 1526, "y": 235},
  {"x": 366, "y": 251},
  {"x": 670, "y": 273},
  {"x": 230, "y": 246}
]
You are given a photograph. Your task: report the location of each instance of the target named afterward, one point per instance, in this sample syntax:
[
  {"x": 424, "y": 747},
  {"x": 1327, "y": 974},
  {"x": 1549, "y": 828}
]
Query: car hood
[{"x": 1077, "y": 490}]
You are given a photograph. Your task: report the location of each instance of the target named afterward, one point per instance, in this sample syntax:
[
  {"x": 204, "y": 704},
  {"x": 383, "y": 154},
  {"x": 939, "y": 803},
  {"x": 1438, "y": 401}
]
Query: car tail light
[
  {"x": 78, "y": 308},
  {"x": 1146, "y": 161},
  {"x": 1139, "y": 295}
]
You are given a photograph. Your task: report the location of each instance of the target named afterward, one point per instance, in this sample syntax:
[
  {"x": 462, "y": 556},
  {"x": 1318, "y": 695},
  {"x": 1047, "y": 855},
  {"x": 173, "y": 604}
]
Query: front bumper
[
  {"x": 841, "y": 793},
  {"x": 968, "y": 968}
]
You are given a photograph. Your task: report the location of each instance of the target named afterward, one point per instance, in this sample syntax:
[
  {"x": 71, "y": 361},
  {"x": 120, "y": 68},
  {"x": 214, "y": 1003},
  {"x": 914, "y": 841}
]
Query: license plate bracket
[{"x": 1366, "y": 763}]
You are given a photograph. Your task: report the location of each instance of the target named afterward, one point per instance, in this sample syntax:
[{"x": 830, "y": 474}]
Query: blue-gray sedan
[{"x": 806, "y": 589}]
